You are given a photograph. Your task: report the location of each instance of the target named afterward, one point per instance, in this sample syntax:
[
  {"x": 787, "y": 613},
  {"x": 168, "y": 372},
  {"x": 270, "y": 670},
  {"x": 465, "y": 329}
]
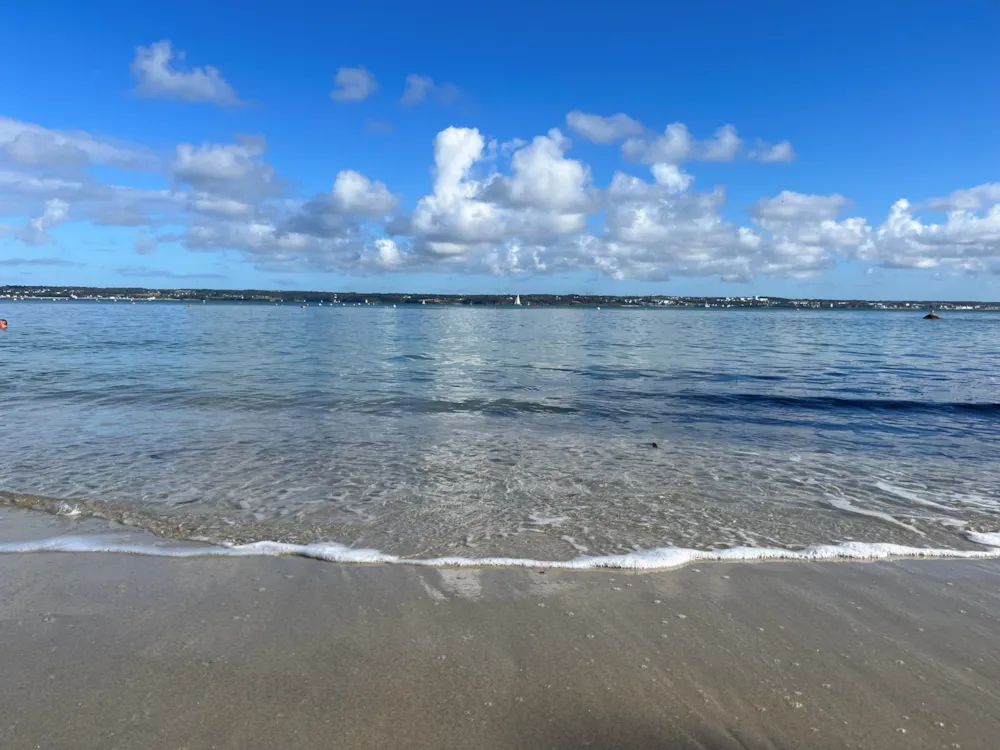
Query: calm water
[{"x": 524, "y": 432}]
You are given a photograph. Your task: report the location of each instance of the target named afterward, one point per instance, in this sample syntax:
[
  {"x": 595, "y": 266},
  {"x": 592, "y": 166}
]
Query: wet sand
[{"x": 115, "y": 651}]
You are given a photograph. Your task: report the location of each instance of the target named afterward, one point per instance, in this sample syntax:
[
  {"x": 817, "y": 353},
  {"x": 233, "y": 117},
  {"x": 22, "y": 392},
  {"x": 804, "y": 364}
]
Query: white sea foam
[
  {"x": 846, "y": 505},
  {"x": 987, "y": 538},
  {"x": 660, "y": 558}
]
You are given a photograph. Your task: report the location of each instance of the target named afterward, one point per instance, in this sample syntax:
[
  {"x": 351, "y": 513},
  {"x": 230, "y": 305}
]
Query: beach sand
[{"x": 119, "y": 651}]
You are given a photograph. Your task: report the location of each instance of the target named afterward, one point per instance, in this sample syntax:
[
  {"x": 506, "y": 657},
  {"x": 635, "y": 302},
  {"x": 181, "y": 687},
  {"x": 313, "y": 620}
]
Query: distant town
[{"x": 257, "y": 296}]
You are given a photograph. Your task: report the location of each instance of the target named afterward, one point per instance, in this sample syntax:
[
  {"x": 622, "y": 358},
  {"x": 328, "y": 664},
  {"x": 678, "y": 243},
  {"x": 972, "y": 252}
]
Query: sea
[{"x": 578, "y": 437}]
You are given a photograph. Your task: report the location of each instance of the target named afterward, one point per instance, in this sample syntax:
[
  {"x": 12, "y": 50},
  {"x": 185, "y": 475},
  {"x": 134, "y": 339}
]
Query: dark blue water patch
[{"x": 842, "y": 403}]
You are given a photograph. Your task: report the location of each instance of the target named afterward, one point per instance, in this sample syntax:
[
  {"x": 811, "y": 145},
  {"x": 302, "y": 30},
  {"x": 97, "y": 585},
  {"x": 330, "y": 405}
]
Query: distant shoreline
[{"x": 254, "y": 296}]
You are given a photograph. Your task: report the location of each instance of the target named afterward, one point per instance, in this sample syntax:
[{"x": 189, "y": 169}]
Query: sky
[{"x": 842, "y": 150}]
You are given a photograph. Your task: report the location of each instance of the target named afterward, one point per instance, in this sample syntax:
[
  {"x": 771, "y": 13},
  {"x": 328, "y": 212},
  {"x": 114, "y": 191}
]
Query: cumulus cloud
[
  {"x": 672, "y": 177},
  {"x": 419, "y": 87},
  {"x": 778, "y": 153},
  {"x": 353, "y": 85},
  {"x": 353, "y": 193},
  {"x": 599, "y": 129},
  {"x": 723, "y": 147},
  {"x": 513, "y": 207},
  {"x": 156, "y": 76},
  {"x": 229, "y": 170},
  {"x": 969, "y": 199},
  {"x": 546, "y": 196},
  {"x": 966, "y": 240},
  {"x": 674, "y": 146}
]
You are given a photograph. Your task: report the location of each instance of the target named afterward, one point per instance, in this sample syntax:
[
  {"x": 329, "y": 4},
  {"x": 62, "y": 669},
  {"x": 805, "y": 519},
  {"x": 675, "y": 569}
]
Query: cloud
[
  {"x": 968, "y": 240},
  {"x": 676, "y": 145},
  {"x": 778, "y": 153},
  {"x": 378, "y": 126},
  {"x": 38, "y": 262},
  {"x": 353, "y": 193},
  {"x": 230, "y": 170},
  {"x": 516, "y": 207},
  {"x": 545, "y": 196},
  {"x": 353, "y": 85},
  {"x": 969, "y": 199},
  {"x": 419, "y": 87},
  {"x": 790, "y": 206},
  {"x": 673, "y": 147},
  {"x": 143, "y": 244},
  {"x": 672, "y": 177},
  {"x": 156, "y": 76},
  {"x": 599, "y": 129},
  {"x": 146, "y": 272},
  {"x": 723, "y": 147},
  {"x": 36, "y": 230},
  {"x": 27, "y": 145}
]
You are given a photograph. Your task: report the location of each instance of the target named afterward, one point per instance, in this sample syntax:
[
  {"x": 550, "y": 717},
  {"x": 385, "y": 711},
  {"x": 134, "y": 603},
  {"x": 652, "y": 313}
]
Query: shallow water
[{"x": 506, "y": 432}]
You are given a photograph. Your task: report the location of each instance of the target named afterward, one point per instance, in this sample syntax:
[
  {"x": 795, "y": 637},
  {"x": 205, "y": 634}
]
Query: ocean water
[{"x": 523, "y": 434}]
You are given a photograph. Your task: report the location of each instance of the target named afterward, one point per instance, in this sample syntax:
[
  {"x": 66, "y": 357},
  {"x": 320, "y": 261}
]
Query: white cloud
[
  {"x": 546, "y": 196},
  {"x": 673, "y": 147},
  {"x": 353, "y": 193},
  {"x": 353, "y": 85},
  {"x": 966, "y": 240},
  {"x": 206, "y": 203},
  {"x": 969, "y": 199},
  {"x": 676, "y": 145},
  {"x": 768, "y": 154},
  {"x": 791, "y": 206},
  {"x": 516, "y": 207},
  {"x": 544, "y": 178},
  {"x": 28, "y": 145},
  {"x": 672, "y": 177},
  {"x": 382, "y": 254},
  {"x": 231, "y": 170},
  {"x": 156, "y": 76},
  {"x": 36, "y": 230},
  {"x": 598, "y": 129},
  {"x": 723, "y": 147}
]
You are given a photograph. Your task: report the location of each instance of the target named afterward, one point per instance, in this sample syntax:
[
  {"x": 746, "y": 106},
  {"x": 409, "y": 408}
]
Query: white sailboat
[{"x": 517, "y": 300}]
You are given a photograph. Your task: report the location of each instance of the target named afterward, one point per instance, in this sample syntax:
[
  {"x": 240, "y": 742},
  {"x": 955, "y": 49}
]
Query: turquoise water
[{"x": 520, "y": 432}]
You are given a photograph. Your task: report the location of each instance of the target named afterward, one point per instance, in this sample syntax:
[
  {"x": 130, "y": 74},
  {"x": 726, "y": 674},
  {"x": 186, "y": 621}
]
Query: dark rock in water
[{"x": 932, "y": 316}]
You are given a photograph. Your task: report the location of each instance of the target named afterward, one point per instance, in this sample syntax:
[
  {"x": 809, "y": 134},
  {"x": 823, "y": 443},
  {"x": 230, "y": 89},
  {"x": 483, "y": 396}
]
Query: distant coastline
[{"x": 258, "y": 296}]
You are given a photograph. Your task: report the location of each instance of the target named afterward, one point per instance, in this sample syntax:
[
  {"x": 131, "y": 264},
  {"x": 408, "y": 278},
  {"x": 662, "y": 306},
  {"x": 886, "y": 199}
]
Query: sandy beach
[{"x": 121, "y": 651}]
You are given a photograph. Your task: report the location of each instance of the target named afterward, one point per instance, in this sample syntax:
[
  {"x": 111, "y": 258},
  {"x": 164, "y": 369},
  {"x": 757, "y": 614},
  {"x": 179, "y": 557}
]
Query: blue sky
[{"x": 245, "y": 163}]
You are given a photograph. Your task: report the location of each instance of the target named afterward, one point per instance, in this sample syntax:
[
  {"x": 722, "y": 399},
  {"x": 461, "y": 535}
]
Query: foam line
[{"x": 660, "y": 558}]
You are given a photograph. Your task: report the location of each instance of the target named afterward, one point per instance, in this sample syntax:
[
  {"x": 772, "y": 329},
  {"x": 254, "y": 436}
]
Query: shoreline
[
  {"x": 215, "y": 652},
  {"x": 24, "y": 530}
]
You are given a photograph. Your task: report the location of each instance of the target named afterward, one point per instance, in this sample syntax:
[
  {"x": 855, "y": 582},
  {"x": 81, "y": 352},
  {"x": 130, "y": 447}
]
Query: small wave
[{"x": 660, "y": 558}]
